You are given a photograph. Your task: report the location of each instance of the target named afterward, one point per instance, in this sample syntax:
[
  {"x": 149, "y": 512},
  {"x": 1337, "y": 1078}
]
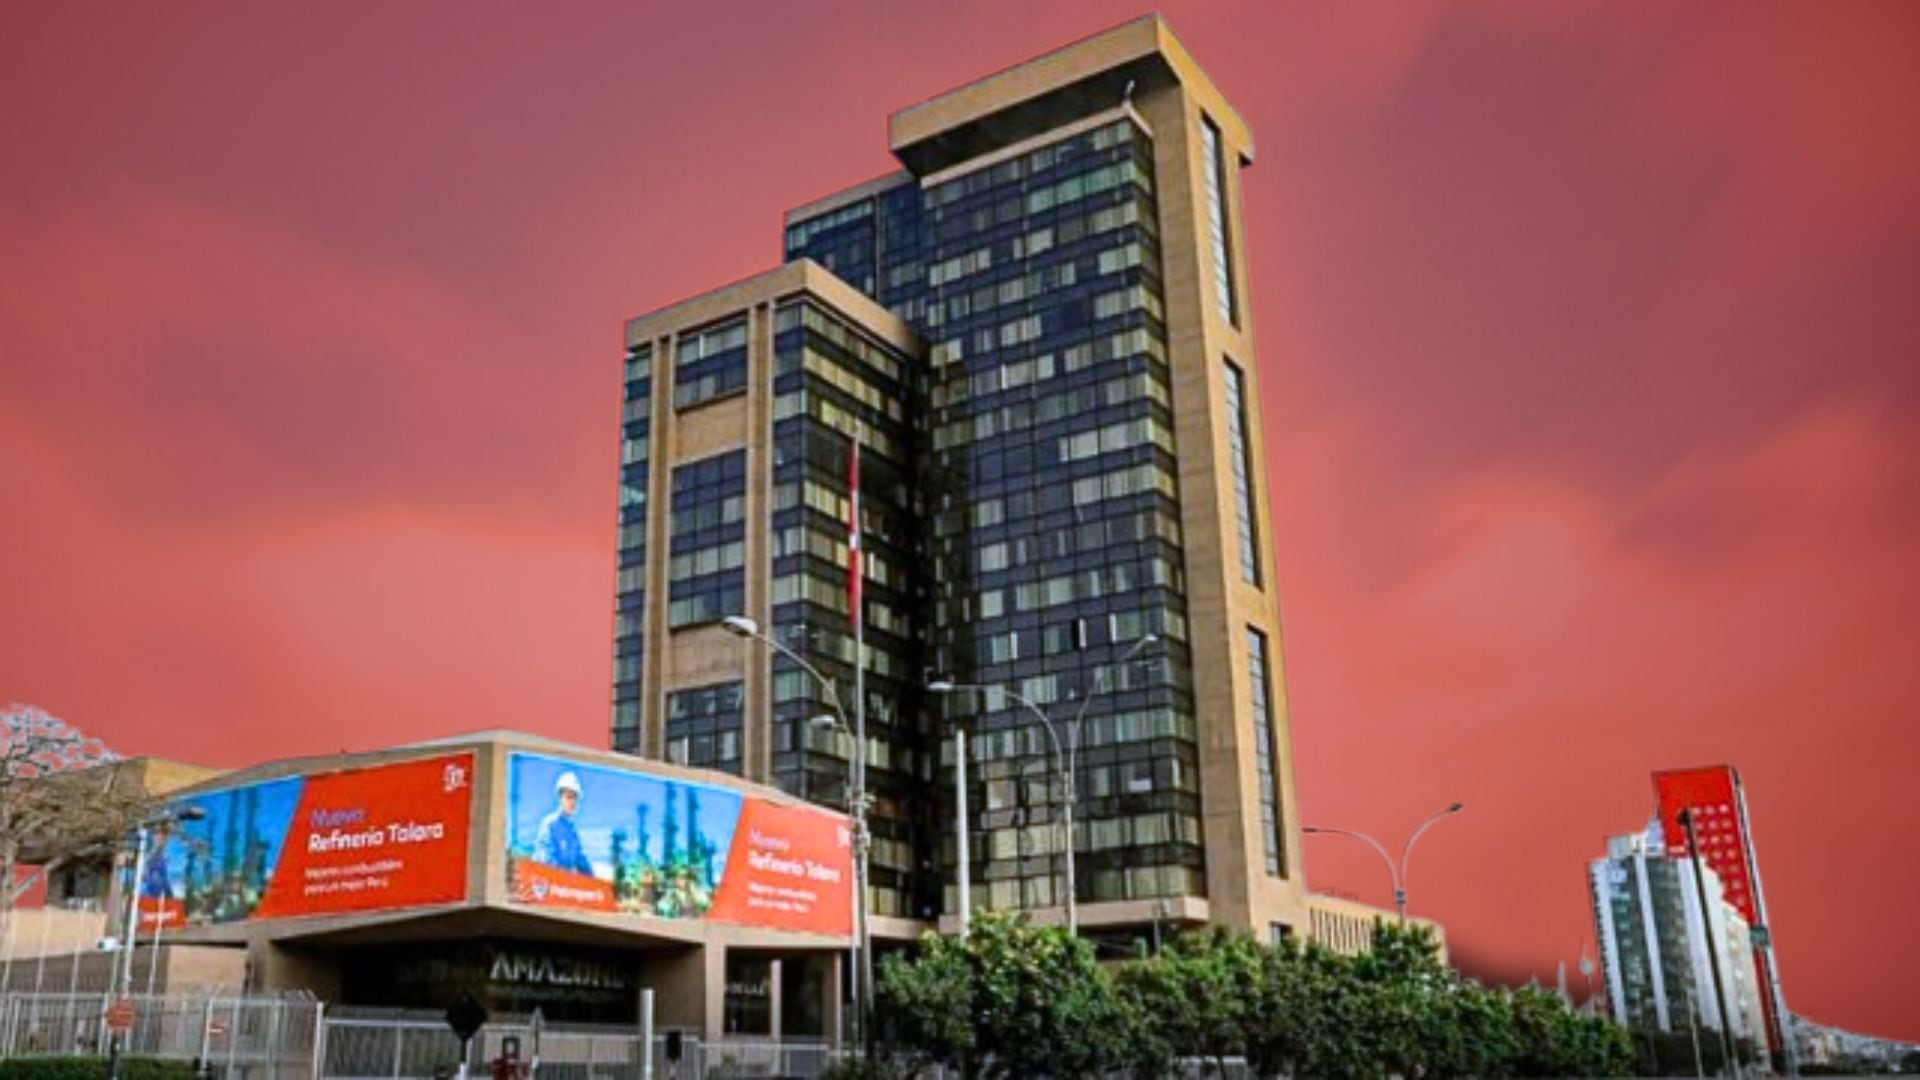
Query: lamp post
[
  {"x": 1728, "y": 1045},
  {"x": 1064, "y": 756},
  {"x": 1398, "y": 872},
  {"x": 121, "y": 984},
  {"x": 862, "y": 973},
  {"x": 170, "y": 816}
]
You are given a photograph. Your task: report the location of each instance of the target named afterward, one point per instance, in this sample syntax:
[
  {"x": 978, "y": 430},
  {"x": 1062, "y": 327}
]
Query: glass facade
[
  {"x": 710, "y": 364},
  {"x": 1261, "y": 708},
  {"x": 874, "y": 244},
  {"x": 844, "y": 240},
  {"x": 1022, "y": 525},
  {"x": 1055, "y": 540},
  {"x": 706, "y": 579},
  {"x": 703, "y": 726},
  {"x": 630, "y": 590},
  {"x": 1218, "y": 246},
  {"x": 1245, "y": 529},
  {"x": 833, "y": 384}
]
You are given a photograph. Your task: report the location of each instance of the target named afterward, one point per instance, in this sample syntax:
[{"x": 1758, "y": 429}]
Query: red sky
[{"x": 1587, "y": 335}]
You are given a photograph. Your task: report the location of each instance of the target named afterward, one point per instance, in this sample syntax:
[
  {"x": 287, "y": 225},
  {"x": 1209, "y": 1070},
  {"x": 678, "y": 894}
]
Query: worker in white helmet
[{"x": 558, "y": 842}]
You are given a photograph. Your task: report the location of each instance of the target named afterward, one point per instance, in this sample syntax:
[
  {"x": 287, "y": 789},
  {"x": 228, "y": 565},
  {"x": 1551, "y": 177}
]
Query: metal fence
[
  {"x": 294, "y": 1038},
  {"x": 256, "y": 1037},
  {"x": 365, "y": 1047}
]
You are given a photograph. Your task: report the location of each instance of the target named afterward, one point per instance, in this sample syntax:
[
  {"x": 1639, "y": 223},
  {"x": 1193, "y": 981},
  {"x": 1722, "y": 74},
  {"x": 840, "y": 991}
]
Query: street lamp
[
  {"x": 744, "y": 627},
  {"x": 1398, "y": 872},
  {"x": 169, "y": 816},
  {"x": 1065, "y": 759},
  {"x": 122, "y": 981},
  {"x": 1728, "y": 1045}
]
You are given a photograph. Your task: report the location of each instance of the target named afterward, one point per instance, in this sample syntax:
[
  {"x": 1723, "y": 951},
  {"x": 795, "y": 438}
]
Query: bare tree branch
[{"x": 62, "y": 796}]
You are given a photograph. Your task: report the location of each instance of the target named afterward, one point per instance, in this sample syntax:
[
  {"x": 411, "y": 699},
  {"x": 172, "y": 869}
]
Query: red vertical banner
[
  {"x": 1709, "y": 794},
  {"x": 1711, "y": 797},
  {"x": 853, "y": 535}
]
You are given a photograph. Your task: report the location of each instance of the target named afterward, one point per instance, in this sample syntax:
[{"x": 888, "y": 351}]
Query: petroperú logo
[{"x": 453, "y": 778}]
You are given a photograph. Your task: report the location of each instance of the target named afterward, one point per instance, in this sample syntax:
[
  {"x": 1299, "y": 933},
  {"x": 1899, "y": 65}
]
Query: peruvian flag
[{"x": 853, "y": 535}]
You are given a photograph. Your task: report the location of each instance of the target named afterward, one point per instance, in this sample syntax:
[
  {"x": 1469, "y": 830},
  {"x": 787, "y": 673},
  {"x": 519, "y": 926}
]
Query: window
[
  {"x": 1263, "y": 756},
  {"x": 710, "y": 363},
  {"x": 1217, "y": 221},
  {"x": 703, "y": 726},
  {"x": 748, "y": 1000},
  {"x": 1242, "y": 467},
  {"x": 706, "y": 581}
]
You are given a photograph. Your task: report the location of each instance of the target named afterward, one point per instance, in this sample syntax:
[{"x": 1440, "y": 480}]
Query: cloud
[
  {"x": 193, "y": 362},
  {"x": 1562, "y": 641}
]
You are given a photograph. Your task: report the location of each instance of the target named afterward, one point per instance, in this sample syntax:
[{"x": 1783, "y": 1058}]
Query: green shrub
[
  {"x": 92, "y": 1068},
  {"x": 145, "y": 1068},
  {"x": 852, "y": 1068},
  {"x": 54, "y": 1068}
]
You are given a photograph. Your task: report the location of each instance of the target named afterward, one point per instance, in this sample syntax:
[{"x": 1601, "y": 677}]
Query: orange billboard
[
  {"x": 591, "y": 838},
  {"x": 371, "y": 839}
]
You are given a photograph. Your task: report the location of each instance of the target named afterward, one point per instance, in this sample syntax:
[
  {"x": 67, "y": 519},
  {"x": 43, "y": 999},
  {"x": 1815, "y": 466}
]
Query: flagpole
[{"x": 856, "y": 579}]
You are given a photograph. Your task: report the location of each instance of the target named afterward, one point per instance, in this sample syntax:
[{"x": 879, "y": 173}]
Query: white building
[{"x": 1654, "y": 939}]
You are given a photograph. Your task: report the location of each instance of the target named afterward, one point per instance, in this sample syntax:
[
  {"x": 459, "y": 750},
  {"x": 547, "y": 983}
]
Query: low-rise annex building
[{"x": 528, "y": 872}]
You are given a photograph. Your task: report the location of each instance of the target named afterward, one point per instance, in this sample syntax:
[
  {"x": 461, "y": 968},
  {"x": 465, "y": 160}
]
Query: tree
[
  {"x": 55, "y": 804},
  {"x": 1551, "y": 1040},
  {"x": 1015, "y": 1000},
  {"x": 1009, "y": 999},
  {"x": 1200, "y": 995}
]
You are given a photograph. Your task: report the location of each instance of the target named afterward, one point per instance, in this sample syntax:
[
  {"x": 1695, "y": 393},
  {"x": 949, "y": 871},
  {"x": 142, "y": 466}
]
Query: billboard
[
  {"x": 592, "y": 838},
  {"x": 382, "y": 837}
]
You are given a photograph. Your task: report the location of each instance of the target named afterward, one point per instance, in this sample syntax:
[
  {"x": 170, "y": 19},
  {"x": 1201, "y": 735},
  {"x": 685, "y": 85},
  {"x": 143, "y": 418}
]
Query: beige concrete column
[
  {"x": 678, "y": 980},
  {"x": 716, "y": 1015}
]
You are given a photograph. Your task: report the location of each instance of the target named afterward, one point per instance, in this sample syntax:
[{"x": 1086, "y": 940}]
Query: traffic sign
[
  {"x": 120, "y": 1016},
  {"x": 466, "y": 1016}
]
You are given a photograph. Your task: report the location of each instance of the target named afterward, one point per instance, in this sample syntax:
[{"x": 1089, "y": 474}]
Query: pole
[
  {"x": 862, "y": 842},
  {"x": 1693, "y": 1029},
  {"x": 1713, "y": 954},
  {"x": 319, "y": 1039},
  {"x": 1073, "y": 915},
  {"x": 40, "y": 964},
  {"x": 6, "y": 981},
  {"x": 1782, "y": 1020},
  {"x": 960, "y": 826},
  {"x": 856, "y": 769},
  {"x": 1400, "y": 880},
  {"x": 124, "y": 983},
  {"x": 646, "y": 1033},
  {"x": 853, "y": 955},
  {"x": 153, "y": 951},
  {"x": 1073, "y": 765},
  {"x": 120, "y": 982},
  {"x": 206, "y": 1038}
]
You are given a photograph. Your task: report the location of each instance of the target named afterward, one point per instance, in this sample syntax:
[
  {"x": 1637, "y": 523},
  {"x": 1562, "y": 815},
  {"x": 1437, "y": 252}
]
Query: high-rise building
[
  {"x": 1655, "y": 937},
  {"x": 1718, "y": 805},
  {"x": 1037, "y": 332}
]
